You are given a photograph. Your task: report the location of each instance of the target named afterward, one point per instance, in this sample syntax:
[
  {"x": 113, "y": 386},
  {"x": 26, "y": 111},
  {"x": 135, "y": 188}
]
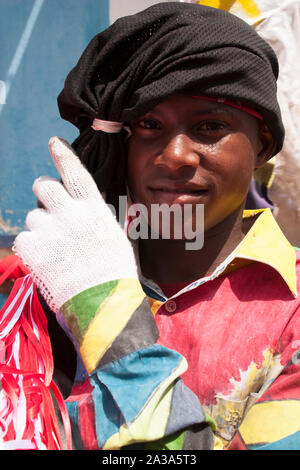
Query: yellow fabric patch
[
  {"x": 266, "y": 243},
  {"x": 219, "y": 443},
  {"x": 258, "y": 426},
  {"x": 154, "y": 304},
  {"x": 222, "y": 4},
  {"x": 249, "y": 6},
  {"x": 264, "y": 175},
  {"x": 110, "y": 321}
]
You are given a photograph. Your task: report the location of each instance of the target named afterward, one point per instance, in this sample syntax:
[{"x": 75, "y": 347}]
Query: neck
[{"x": 168, "y": 261}]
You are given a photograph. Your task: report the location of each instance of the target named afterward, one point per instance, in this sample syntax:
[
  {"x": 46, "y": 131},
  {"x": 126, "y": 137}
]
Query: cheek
[
  {"x": 238, "y": 161},
  {"x": 135, "y": 169}
]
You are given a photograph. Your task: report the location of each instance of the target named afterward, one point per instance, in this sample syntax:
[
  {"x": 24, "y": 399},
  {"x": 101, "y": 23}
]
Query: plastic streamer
[{"x": 27, "y": 414}]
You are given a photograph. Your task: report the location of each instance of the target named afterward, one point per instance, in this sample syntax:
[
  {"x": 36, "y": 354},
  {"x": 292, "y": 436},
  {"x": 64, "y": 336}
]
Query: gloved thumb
[{"x": 76, "y": 179}]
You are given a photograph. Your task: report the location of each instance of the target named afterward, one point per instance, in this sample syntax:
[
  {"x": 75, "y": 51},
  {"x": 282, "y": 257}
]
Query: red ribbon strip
[{"x": 27, "y": 361}]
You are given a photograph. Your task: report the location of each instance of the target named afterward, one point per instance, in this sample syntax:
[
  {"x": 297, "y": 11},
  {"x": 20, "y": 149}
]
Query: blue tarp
[{"x": 41, "y": 40}]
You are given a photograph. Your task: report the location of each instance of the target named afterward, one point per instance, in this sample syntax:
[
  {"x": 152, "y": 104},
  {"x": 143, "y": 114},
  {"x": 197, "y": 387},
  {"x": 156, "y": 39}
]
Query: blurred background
[{"x": 41, "y": 40}]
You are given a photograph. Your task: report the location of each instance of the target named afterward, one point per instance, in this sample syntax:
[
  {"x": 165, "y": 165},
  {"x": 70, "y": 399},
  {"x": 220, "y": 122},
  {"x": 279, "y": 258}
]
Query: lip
[{"x": 175, "y": 194}]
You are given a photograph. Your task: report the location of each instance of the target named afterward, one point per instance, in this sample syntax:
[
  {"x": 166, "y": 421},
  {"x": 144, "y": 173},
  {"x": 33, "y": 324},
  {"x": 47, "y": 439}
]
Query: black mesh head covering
[{"x": 141, "y": 59}]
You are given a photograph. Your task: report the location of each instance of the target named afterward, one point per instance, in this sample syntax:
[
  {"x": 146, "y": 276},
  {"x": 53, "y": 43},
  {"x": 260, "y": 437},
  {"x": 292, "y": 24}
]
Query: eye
[
  {"x": 148, "y": 124},
  {"x": 210, "y": 127}
]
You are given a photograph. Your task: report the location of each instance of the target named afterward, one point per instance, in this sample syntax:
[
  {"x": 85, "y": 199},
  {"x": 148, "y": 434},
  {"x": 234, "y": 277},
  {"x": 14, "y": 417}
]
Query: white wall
[{"x": 120, "y": 8}]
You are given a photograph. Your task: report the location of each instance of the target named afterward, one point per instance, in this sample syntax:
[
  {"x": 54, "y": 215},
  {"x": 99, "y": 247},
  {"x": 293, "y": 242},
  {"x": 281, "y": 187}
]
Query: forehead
[{"x": 186, "y": 107}]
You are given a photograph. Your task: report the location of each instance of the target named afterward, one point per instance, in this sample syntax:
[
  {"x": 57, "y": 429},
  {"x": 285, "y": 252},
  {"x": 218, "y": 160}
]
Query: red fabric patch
[{"x": 225, "y": 324}]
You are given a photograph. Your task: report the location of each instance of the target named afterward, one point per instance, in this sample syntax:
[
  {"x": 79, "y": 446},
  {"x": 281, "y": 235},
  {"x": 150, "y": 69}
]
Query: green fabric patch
[
  {"x": 86, "y": 305},
  {"x": 173, "y": 442},
  {"x": 210, "y": 421}
]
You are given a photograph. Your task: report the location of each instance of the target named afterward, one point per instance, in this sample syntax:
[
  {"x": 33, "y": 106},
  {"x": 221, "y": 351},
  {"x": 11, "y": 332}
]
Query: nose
[{"x": 179, "y": 152}]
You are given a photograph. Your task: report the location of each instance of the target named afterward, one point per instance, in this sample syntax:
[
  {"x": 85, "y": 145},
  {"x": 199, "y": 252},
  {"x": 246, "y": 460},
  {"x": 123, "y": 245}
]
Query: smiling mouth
[{"x": 177, "y": 195}]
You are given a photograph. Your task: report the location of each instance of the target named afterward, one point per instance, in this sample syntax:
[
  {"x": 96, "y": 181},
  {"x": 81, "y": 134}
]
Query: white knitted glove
[{"x": 75, "y": 242}]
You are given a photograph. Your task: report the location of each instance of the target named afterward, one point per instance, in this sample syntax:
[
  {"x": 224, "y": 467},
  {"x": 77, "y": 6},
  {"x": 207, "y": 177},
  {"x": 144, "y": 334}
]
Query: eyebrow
[
  {"x": 217, "y": 110},
  {"x": 224, "y": 110},
  {"x": 213, "y": 109}
]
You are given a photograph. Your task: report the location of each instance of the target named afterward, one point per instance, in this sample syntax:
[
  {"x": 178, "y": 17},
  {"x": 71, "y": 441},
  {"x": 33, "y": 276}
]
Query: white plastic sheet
[{"x": 281, "y": 28}]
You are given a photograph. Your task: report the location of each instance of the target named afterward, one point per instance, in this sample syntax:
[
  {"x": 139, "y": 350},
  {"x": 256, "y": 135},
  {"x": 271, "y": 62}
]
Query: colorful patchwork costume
[
  {"x": 238, "y": 329},
  {"x": 226, "y": 353},
  {"x": 213, "y": 366}
]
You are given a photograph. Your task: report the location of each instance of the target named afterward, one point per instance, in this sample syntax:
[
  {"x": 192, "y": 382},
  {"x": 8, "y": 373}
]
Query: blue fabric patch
[
  {"x": 81, "y": 372},
  {"x": 122, "y": 387},
  {"x": 291, "y": 442},
  {"x": 72, "y": 407},
  {"x": 151, "y": 293},
  {"x": 108, "y": 416}
]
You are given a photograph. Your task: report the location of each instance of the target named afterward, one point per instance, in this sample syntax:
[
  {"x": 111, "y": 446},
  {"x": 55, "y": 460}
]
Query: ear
[{"x": 266, "y": 145}]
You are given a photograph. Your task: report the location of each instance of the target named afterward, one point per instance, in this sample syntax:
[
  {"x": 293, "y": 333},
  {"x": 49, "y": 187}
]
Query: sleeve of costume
[
  {"x": 132, "y": 392},
  {"x": 273, "y": 422}
]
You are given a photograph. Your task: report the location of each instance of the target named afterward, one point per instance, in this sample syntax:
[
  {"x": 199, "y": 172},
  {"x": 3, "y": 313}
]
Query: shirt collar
[{"x": 264, "y": 243}]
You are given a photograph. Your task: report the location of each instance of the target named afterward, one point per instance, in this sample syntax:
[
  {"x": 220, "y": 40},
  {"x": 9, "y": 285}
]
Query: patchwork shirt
[{"x": 215, "y": 366}]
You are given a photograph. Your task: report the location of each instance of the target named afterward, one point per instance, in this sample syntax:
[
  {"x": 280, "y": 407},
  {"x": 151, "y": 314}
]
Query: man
[{"x": 175, "y": 105}]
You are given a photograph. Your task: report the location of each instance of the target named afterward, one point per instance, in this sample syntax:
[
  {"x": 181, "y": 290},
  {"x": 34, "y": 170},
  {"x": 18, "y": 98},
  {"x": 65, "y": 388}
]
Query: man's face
[{"x": 191, "y": 151}]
